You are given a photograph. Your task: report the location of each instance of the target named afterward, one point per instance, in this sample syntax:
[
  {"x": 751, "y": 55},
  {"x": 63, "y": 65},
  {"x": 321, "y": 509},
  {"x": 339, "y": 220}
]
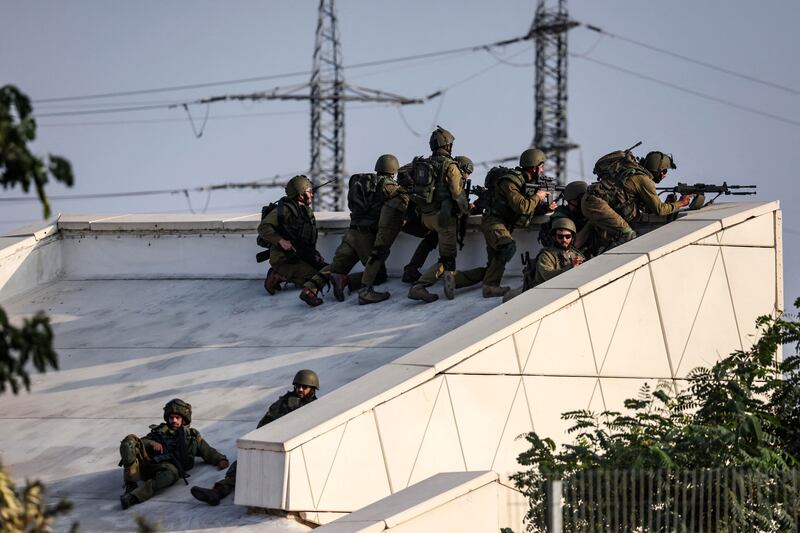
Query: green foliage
[
  {"x": 18, "y": 166},
  {"x": 32, "y": 343},
  {"x": 741, "y": 415},
  {"x": 25, "y": 510}
]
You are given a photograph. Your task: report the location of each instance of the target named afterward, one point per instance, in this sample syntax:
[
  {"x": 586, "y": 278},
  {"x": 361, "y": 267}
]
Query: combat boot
[
  {"x": 419, "y": 292},
  {"x": 490, "y": 291},
  {"x": 340, "y": 283},
  {"x": 273, "y": 281},
  {"x": 368, "y": 295},
  {"x": 130, "y": 486},
  {"x": 449, "y": 277},
  {"x": 310, "y": 297},
  {"x": 127, "y": 500},
  {"x": 411, "y": 274},
  {"x": 210, "y": 496}
]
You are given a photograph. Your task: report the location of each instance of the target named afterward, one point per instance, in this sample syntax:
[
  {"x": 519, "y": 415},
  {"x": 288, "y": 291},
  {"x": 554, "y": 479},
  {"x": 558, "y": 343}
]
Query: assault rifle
[
  {"x": 707, "y": 188},
  {"x": 544, "y": 183}
]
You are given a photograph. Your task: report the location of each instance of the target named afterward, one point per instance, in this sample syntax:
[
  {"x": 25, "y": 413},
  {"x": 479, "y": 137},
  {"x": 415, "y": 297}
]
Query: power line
[
  {"x": 705, "y": 64},
  {"x": 690, "y": 91},
  {"x": 172, "y": 88}
]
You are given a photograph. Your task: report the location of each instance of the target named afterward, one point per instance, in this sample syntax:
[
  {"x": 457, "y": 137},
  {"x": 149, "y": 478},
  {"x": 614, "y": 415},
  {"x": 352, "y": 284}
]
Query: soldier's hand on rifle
[
  {"x": 685, "y": 199},
  {"x": 577, "y": 261},
  {"x": 552, "y": 207},
  {"x": 158, "y": 448},
  {"x": 671, "y": 197},
  {"x": 286, "y": 245},
  {"x": 223, "y": 464},
  {"x": 541, "y": 195}
]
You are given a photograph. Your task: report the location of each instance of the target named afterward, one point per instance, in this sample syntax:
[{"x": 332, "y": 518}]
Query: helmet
[
  {"x": 306, "y": 377},
  {"x": 574, "y": 190},
  {"x": 297, "y": 186},
  {"x": 387, "y": 164},
  {"x": 465, "y": 164},
  {"x": 176, "y": 406},
  {"x": 563, "y": 223},
  {"x": 440, "y": 138},
  {"x": 655, "y": 162},
  {"x": 532, "y": 157}
]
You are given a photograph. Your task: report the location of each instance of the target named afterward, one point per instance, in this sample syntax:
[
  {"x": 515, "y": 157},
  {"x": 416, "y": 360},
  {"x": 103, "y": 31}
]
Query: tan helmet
[
  {"x": 387, "y": 164},
  {"x": 176, "y": 406},
  {"x": 297, "y": 186},
  {"x": 440, "y": 138},
  {"x": 306, "y": 377},
  {"x": 574, "y": 190},
  {"x": 563, "y": 223},
  {"x": 531, "y": 158},
  {"x": 465, "y": 164},
  {"x": 655, "y": 162}
]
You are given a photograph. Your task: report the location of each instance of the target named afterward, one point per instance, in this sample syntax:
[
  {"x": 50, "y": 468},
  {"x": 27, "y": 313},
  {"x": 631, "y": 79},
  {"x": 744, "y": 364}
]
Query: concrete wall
[
  {"x": 29, "y": 257},
  {"x": 683, "y": 295}
]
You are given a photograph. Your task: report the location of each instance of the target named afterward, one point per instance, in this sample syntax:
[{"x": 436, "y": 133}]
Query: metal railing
[{"x": 711, "y": 500}]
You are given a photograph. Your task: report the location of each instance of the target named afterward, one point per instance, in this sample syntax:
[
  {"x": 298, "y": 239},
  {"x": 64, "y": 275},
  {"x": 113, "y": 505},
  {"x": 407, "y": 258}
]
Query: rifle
[
  {"x": 463, "y": 218},
  {"x": 703, "y": 188},
  {"x": 528, "y": 271},
  {"x": 315, "y": 188},
  {"x": 544, "y": 183}
]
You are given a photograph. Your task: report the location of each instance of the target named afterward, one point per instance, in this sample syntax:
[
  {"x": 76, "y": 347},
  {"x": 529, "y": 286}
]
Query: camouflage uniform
[
  {"x": 300, "y": 226},
  {"x": 158, "y": 471},
  {"x": 509, "y": 206},
  {"x": 284, "y": 405},
  {"x": 552, "y": 261}
]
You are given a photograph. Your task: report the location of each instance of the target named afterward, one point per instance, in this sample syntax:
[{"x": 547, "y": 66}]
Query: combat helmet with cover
[
  {"x": 176, "y": 406},
  {"x": 574, "y": 190},
  {"x": 465, "y": 164},
  {"x": 656, "y": 162},
  {"x": 387, "y": 164},
  {"x": 563, "y": 223},
  {"x": 297, "y": 186},
  {"x": 531, "y": 158},
  {"x": 306, "y": 377},
  {"x": 440, "y": 138}
]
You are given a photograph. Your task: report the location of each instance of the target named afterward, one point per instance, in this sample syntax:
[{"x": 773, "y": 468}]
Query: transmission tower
[
  {"x": 549, "y": 29},
  {"x": 327, "y": 111}
]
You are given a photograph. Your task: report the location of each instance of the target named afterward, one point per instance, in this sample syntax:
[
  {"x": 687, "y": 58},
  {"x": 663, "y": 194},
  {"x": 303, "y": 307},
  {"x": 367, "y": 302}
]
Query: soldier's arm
[
  {"x": 518, "y": 202},
  {"x": 206, "y": 451},
  {"x": 455, "y": 181},
  {"x": 274, "y": 412},
  {"x": 547, "y": 266},
  {"x": 268, "y": 228},
  {"x": 646, "y": 190}
]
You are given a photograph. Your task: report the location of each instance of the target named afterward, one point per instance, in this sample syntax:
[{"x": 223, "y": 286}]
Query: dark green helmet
[
  {"x": 531, "y": 158},
  {"x": 655, "y": 162},
  {"x": 297, "y": 186},
  {"x": 176, "y": 406},
  {"x": 465, "y": 164},
  {"x": 574, "y": 190},
  {"x": 563, "y": 223},
  {"x": 440, "y": 138},
  {"x": 306, "y": 377},
  {"x": 387, "y": 164}
]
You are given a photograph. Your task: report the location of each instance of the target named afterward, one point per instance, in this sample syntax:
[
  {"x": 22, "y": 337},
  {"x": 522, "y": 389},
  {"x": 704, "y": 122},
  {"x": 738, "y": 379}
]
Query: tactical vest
[
  {"x": 180, "y": 446},
  {"x": 296, "y": 223},
  {"x": 499, "y": 205},
  {"x": 613, "y": 170},
  {"x": 365, "y": 199},
  {"x": 430, "y": 188},
  {"x": 563, "y": 259}
]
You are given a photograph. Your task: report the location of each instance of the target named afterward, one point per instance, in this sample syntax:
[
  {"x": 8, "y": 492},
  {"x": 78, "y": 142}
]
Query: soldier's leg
[
  {"x": 500, "y": 249},
  {"x": 468, "y": 278},
  {"x": 447, "y": 250},
  {"x": 165, "y": 476},
  {"x": 131, "y": 452},
  {"x": 389, "y": 226},
  {"x": 608, "y": 227},
  {"x": 411, "y": 272},
  {"x": 220, "y": 490}
]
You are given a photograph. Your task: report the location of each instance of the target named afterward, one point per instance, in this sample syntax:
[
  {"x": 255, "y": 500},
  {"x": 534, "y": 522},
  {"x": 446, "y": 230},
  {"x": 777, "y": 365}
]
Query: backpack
[
  {"x": 266, "y": 210},
  {"x": 423, "y": 174},
  {"x": 617, "y": 165},
  {"x": 365, "y": 197},
  {"x": 490, "y": 182}
]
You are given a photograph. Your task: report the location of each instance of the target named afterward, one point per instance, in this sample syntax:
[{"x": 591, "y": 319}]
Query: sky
[{"x": 742, "y": 128}]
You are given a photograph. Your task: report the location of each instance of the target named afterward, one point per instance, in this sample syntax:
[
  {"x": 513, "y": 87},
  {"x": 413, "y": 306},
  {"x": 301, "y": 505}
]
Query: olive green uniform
[
  {"x": 510, "y": 205},
  {"x": 612, "y": 205},
  {"x": 441, "y": 215},
  {"x": 158, "y": 471},
  {"x": 552, "y": 261},
  {"x": 282, "y": 406},
  {"x": 300, "y": 228}
]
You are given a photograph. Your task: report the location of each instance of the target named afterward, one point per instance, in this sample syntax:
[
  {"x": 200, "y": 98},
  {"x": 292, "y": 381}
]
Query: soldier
[
  {"x": 290, "y": 231},
  {"x": 625, "y": 189},
  {"x": 571, "y": 208},
  {"x": 510, "y": 204},
  {"x": 560, "y": 257},
  {"x": 365, "y": 198},
  {"x": 162, "y": 457},
  {"x": 439, "y": 194},
  {"x": 306, "y": 384}
]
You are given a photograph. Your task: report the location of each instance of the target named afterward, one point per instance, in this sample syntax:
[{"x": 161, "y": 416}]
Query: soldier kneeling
[{"x": 164, "y": 455}]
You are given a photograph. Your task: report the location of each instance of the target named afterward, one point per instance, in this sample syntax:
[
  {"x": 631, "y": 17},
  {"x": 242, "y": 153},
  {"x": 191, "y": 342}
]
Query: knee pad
[
  {"x": 506, "y": 251},
  {"x": 449, "y": 263}
]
